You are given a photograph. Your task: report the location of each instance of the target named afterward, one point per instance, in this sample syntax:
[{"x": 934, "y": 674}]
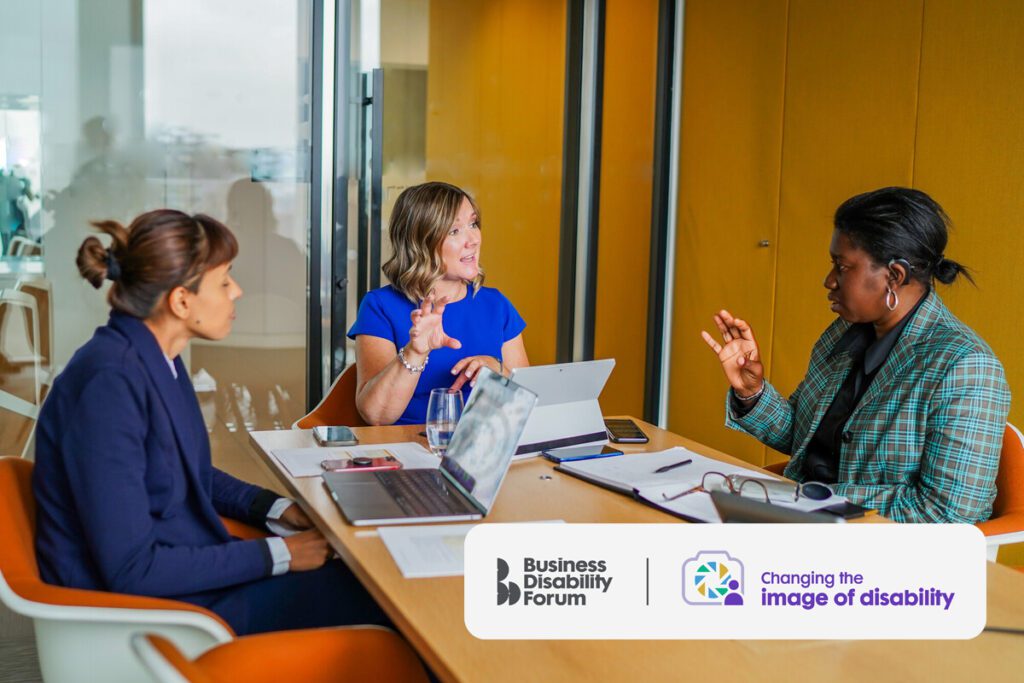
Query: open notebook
[{"x": 635, "y": 474}]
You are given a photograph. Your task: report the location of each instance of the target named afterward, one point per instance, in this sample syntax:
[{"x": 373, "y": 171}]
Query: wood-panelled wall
[
  {"x": 494, "y": 126},
  {"x": 731, "y": 145},
  {"x": 791, "y": 107},
  {"x": 624, "y": 217}
]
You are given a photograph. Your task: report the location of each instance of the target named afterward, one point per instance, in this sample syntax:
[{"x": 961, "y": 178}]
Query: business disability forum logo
[
  {"x": 558, "y": 583},
  {"x": 713, "y": 577}
]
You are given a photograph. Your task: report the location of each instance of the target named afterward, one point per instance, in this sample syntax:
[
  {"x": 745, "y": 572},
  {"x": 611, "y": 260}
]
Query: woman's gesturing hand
[
  {"x": 427, "y": 332},
  {"x": 468, "y": 367},
  {"x": 740, "y": 356}
]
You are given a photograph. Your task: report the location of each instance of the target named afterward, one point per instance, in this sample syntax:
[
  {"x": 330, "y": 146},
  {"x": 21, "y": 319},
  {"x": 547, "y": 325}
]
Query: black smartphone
[
  {"x": 846, "y": 510},
  {"x": 580, "y": 453},
  {"x": 625, "y": 431}
]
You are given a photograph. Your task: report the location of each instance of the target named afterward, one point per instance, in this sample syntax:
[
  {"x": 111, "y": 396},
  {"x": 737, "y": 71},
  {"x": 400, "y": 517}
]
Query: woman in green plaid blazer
[{"x": 903, "y": 406}]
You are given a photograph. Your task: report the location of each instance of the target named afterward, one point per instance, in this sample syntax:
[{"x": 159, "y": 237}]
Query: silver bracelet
[
  {"x": 412, "y": 368},
  {"x": 753, "y": 396}
]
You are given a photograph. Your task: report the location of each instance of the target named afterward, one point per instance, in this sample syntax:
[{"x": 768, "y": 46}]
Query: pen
[{"x": 674, "y": 465}]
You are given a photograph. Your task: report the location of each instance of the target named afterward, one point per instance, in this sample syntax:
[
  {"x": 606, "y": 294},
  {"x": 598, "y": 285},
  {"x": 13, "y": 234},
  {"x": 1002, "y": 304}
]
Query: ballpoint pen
[{"x": 674, "y": 465}]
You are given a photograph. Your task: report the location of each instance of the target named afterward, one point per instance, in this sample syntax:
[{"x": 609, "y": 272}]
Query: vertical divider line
[{"x": 647, "y": 600}]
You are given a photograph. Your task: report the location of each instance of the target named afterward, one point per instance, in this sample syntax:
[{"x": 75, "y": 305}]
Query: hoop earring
[{"x": 890, "y": 294}]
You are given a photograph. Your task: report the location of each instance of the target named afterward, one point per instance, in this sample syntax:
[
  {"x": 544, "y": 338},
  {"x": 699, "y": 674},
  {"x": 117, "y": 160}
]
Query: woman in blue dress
[{"x": 436, "y": 324}]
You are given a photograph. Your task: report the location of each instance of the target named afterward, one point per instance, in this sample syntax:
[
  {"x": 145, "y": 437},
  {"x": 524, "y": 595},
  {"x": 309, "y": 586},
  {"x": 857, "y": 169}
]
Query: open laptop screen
[{"x": 485, "y": 438}]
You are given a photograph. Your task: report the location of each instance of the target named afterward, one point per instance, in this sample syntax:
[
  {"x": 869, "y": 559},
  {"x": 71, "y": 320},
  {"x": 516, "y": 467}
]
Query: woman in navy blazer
[{"x": 127, "y": 498}]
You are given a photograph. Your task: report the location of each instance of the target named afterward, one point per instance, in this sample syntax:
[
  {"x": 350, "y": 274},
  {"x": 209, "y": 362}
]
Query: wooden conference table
[{"x": 429, "y": 612}]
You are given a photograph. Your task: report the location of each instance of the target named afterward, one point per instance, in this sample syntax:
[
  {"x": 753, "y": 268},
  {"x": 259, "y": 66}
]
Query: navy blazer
[{"x": 127, "y": 498}]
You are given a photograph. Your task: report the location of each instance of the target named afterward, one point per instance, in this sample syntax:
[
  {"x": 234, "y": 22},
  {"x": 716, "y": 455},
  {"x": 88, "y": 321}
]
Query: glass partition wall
[{"x": 109, "y": 108}]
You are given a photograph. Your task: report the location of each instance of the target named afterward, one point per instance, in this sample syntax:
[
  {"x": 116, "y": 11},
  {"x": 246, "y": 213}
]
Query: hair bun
[
  {"x": 113, "y": 266},
  {"x": 946, "y": 271}
]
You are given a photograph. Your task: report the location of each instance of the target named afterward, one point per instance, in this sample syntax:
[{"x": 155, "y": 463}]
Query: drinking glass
[{"x": 443, "y": 412}]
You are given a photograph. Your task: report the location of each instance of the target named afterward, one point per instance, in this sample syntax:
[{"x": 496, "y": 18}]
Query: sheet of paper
[
  {"x": 305, "y": 462},
  {"x": 428, "y": 551}
]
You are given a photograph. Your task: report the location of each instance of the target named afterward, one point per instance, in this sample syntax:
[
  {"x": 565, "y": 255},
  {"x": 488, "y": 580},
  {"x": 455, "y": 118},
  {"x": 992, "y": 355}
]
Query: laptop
[
  {"x": 567, "y": 412},
  {"x": 732, "y": 508},
  {"x": 466, "y": 484}
]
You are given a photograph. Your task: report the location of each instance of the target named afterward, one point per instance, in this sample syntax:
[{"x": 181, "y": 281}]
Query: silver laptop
[{"x": 470, "y": 475}]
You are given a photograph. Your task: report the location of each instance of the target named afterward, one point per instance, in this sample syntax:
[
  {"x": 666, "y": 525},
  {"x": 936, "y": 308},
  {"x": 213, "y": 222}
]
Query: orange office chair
[
  {"x": 82, "y": 635},
  {"x": 1006, "y": 525},
  {"x": 371, "y": 654},
  {"x": 338, "y": 407},
  {"x": 777, "y": 467}
]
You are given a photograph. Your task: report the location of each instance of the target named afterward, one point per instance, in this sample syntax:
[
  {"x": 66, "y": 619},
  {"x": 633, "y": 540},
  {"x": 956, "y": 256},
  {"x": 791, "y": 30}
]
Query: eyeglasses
[
  {"x": 781, "y": 489},
  {"x": 719, "y": 482}
]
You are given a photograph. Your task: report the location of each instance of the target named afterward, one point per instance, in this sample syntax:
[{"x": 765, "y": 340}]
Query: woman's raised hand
[
  {"x": 427, "y": 333},
  {"x": 740, "y": 356}
]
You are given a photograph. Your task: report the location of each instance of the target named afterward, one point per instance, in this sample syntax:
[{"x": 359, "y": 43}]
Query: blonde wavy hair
[{"x": 420, "y": 222}]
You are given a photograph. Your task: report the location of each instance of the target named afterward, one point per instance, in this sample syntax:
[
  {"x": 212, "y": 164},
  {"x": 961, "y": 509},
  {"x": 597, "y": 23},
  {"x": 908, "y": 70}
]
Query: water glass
[{"x": 443, "y": 412}]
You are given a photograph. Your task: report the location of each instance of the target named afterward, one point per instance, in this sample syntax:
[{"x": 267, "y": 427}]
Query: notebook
[{"x": 635, "y": 474}]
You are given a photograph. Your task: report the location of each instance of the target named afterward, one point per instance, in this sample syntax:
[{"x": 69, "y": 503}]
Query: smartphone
[
  {"x": 580, "y": 453},
  {"x": 334, "y": 436},
  {"x": 366, "y": 462},
  {"x": 625, "y": 431},
  {"x": 846, "y": 510}
]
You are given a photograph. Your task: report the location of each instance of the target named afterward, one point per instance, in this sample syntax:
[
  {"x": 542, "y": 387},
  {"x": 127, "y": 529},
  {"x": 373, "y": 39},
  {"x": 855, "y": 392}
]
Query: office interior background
[{"x": 639, "y": 165}]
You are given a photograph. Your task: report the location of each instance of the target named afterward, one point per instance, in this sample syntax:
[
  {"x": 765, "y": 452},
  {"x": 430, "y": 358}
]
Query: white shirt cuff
[
  {"x": 276, "y": 510},
  {"x": 279, "y": 554}
]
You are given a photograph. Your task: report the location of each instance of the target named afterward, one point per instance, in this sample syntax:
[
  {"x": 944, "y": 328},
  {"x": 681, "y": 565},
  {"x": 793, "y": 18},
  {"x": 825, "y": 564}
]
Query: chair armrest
[
  {"x": 37, "y": 600},
  {"x": 1005, "y": 539},
  {"x": 1009, "y": 523}
]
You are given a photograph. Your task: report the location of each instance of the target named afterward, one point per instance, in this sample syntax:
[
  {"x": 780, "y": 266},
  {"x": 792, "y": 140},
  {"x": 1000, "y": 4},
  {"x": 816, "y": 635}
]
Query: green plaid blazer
[{"x": 923, "y": 443}]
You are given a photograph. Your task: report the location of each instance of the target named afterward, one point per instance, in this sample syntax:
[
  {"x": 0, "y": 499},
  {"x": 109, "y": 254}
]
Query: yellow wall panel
[
  {"x": 627, "y": 151},
  {"x": 731, "y": 137},
  {"x": 970, "y": 158},
  {"x": 494, "y": 126},
  {"x": 851, "y": 95}
]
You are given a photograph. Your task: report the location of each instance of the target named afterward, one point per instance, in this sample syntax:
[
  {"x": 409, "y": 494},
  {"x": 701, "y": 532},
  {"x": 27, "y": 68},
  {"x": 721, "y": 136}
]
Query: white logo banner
[{"x": 731, "y": 581}]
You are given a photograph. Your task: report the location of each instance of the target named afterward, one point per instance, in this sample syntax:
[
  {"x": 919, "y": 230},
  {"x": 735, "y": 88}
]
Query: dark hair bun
[{"x": 946, "y": 271}]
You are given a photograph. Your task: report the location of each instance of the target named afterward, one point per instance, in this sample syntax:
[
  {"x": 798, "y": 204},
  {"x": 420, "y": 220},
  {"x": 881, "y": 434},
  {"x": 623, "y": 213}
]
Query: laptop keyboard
[{"x": 423, "y": 493}]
